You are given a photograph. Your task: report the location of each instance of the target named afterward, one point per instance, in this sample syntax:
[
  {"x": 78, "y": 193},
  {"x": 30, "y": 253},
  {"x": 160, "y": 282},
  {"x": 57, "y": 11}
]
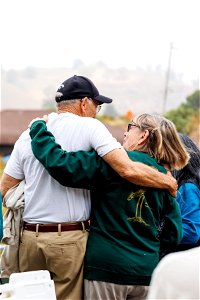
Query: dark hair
[{"x": 191, "y": 172}]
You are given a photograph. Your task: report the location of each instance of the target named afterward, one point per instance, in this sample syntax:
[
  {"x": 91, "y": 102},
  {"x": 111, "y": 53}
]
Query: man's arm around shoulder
[{"x": 139, "y": 173}]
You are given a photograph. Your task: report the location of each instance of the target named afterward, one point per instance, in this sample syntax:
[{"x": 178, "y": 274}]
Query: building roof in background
[{"x": 14, "y": 122}]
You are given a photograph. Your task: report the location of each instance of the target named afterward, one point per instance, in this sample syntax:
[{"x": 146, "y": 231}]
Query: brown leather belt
[{"x": 56, "y": 227}]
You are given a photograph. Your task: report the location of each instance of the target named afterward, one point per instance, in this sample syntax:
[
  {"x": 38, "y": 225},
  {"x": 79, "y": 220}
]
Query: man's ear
[
  {"x": 144, "y": 137},
  {"x": 83, "y": 105}
]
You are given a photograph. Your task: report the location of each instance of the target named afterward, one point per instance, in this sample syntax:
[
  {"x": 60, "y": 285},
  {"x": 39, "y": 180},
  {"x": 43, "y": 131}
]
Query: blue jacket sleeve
[
  {"x": 188, "y": 197},
  {"x": 1, "y": 218}
]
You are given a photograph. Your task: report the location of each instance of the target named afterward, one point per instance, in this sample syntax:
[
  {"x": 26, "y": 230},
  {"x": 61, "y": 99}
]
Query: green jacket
[{"x": 124, "y": 241}]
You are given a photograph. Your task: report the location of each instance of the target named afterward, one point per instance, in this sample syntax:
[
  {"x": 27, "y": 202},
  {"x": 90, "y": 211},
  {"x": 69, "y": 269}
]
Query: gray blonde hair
[
  {"x": 163, "y": 142},
  {"x": 67, "y": 102}
]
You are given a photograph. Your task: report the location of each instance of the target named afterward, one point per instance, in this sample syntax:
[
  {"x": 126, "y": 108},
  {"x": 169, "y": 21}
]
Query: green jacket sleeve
[
  {"x": 171, "y": 234},
  {"x": 80, "y": 169}
]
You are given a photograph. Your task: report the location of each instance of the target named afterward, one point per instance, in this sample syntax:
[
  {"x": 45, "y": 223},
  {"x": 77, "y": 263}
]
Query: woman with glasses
[{"x": 124, "y": 240}]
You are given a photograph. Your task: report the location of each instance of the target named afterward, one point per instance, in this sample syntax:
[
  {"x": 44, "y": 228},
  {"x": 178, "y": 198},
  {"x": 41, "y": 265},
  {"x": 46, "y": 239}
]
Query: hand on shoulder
[{"x": 44, "y": 118}]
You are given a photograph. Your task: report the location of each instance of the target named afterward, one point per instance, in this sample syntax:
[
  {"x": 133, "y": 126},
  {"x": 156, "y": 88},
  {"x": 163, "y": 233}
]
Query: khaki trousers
[
  {"x": 99, "y": 290},
  {"x": 62, "y": 255}
]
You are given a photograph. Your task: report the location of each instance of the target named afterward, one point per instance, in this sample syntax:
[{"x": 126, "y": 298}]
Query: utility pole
[{"x": 167, "y": 78}]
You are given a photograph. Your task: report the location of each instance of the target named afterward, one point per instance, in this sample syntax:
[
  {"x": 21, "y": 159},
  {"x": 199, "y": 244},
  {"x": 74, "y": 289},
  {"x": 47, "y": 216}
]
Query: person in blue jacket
[
  {"x": 188, "y": 196},
  {"x": 1, "y": 218}
]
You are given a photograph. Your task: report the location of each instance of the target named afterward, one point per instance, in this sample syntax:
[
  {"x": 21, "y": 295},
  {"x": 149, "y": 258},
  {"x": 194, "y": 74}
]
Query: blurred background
[{"x": 142, "y": 53}]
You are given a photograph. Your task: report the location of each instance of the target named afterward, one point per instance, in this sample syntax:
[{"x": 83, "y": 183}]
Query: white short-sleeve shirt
[{"x": 46, "y": 201}]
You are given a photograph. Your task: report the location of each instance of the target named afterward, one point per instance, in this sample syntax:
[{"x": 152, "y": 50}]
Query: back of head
[
  {"x": 163, "y": 142},
  {"x": 191, "y": 172}
]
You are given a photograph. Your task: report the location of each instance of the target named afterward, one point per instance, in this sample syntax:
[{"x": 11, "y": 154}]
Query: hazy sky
[{"x": 120, "y": 33}]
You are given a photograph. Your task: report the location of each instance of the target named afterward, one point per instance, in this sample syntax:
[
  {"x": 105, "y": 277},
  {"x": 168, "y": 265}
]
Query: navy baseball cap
[{"x": 78, "y": 87}]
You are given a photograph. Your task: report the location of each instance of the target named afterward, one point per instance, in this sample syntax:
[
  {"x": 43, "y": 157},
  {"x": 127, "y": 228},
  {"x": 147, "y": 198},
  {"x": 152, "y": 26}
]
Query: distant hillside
[{"x": 137, "y": 90}]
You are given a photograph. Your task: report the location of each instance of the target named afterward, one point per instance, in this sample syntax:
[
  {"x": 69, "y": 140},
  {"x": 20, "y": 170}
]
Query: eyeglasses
[
  {"x": 132, "y": 124},
  {"x": 98, "y": 106}
]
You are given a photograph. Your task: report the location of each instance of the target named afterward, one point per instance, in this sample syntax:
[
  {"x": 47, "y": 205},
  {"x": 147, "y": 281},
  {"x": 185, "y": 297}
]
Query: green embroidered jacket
[{"x": 124, "y": 240}]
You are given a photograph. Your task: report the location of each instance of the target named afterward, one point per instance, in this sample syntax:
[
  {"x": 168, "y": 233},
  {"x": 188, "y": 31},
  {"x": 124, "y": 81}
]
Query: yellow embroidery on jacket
[{"x": 139, "y": 196}]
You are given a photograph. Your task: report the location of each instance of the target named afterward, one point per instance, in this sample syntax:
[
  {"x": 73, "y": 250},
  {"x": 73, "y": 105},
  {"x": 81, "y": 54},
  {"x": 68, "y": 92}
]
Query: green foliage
[
  {"x": 194, "y": 100},
  {"x": 2, "y": 165},
  {"x": 105, "y": 118},
  {"x": 186, "y": 116}
]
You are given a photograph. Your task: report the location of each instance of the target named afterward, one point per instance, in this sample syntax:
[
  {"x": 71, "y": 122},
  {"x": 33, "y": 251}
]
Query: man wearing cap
[{"x": 55, "y": 218}]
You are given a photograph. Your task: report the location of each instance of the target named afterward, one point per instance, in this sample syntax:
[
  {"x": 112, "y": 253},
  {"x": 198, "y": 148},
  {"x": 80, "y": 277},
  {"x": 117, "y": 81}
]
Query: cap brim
[{"x": 103, "y": 99}]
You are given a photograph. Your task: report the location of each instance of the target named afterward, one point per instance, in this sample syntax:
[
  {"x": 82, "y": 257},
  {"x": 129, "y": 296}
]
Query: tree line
[{"x": 187, "y": 116}]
